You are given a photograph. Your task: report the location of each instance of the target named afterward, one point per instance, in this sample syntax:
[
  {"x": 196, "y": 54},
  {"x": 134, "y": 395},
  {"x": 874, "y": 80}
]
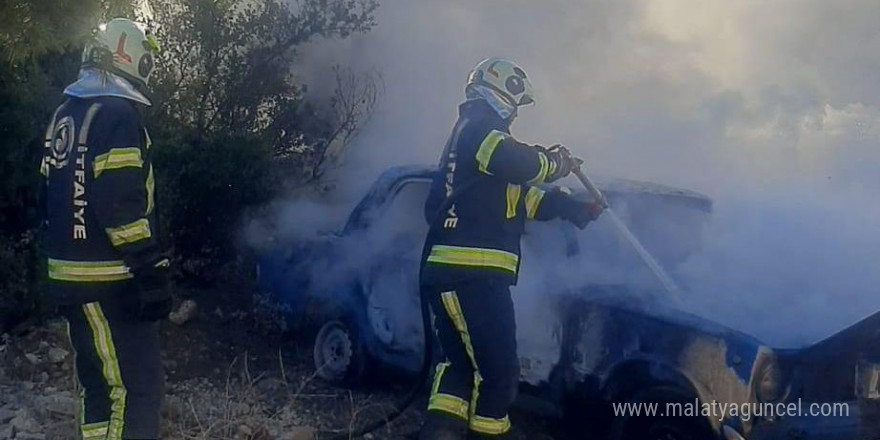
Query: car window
[
  {"x": 557, "y": 255},
  {"x": 399, "y": 226}
]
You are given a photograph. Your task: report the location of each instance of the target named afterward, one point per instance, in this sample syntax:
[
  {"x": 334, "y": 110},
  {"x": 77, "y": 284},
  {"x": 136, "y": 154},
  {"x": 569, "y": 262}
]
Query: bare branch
[{"x": 354, "y": 99}]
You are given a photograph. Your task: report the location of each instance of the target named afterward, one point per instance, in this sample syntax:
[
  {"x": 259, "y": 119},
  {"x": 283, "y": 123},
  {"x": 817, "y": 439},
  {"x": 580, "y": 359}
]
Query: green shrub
[
  {"x": 20, "y": 277},
  {"x": 230, "y": 119},
  {"x": 205, "y": 185},
  {"x": 29, "y": 91}
]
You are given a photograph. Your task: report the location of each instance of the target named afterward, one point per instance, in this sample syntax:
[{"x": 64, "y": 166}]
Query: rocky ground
[{"x": 232, "y": 374}]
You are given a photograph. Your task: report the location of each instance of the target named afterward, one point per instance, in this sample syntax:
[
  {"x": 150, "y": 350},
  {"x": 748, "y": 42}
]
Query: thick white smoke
[{"x": 771, "y": 108}]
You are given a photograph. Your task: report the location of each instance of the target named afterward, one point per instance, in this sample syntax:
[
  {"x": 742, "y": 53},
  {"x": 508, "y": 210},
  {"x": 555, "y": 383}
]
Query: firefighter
[
  {"x": 106, "y": 271},
  {"x": 488, "y": 186}
]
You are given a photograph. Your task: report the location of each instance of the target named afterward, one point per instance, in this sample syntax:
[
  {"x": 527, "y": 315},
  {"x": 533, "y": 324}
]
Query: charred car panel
[{"x": 592, "y": 343}]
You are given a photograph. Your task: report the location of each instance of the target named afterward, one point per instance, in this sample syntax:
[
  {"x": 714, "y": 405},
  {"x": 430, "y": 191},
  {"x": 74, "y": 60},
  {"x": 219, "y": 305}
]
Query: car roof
[
  {"x": 384, "y": 188},
  {"x": 607, "y": 184},
  {"x": 613, "y": 187}
]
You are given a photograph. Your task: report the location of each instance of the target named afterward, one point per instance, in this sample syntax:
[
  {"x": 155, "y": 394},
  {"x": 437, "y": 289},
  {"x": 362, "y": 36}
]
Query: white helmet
[
  {"x": 504, "y": 77},
  {"x": 123, "y": 47}
]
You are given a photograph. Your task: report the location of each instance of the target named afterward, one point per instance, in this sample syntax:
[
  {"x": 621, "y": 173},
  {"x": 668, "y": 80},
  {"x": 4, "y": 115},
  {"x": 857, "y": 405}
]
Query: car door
[{"x": 396, "y": 236}]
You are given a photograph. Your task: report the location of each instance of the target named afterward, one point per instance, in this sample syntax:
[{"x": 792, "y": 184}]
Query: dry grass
[
  {"x": 282, "y": 399},
  {"x": 263, "y": 408}
]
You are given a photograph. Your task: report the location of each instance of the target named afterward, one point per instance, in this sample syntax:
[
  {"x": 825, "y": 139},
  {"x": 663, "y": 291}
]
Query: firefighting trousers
[
  {"x": 478, "y": 380},
  {"x": 119, "y": 370}
]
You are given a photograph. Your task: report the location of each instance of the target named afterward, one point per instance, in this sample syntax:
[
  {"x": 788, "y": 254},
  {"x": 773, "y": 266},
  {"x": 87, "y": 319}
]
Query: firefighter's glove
[
  {"x": 153, "y": 301},
  {"x": 561, "y": 162},
  {"x": 581, "y": 213}
]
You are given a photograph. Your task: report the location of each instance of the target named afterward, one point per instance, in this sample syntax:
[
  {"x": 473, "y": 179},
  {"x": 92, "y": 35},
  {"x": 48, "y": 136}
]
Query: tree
[
  {"x": 30, "y": 88},
  {"x": 231, "y": 124},
  {"x": 234, "y": 124},
  {"x": 31, "y": 28}
]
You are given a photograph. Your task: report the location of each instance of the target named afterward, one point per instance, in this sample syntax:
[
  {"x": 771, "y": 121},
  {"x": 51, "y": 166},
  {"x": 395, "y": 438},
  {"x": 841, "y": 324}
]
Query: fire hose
[
  {"x": 412, "y": 395},
  {"x": 424, "y": 373},
  {"x": 668, "y": 285},
  {"x": 427, "y": 332}
]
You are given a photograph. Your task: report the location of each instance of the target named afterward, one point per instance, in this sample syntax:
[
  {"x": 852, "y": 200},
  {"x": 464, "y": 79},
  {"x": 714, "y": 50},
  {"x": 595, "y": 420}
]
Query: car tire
[
  {"x": 338, "y": 354},
  {"x": 659, "y": 427}
]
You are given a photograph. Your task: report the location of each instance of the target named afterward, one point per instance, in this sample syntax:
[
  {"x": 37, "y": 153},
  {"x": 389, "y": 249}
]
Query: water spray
[
  {"x": 668, "y": 285},
  {"x": 424, "y": 373}
]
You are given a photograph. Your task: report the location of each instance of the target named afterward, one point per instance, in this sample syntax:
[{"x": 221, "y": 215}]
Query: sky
[{"x": 770, "y": 108}]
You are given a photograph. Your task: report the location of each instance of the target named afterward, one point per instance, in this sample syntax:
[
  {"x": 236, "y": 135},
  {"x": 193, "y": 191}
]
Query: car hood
[{"x": 656, "y": 305}]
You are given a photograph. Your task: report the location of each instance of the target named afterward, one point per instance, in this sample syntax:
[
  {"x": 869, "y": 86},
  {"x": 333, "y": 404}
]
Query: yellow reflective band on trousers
[
  {"x": 532, "y": 201},
  {"x": 513, "y": 192},
  {"x": 447, "y": 403},
  {"x": 131, "y": 233},
  {"x": 438, "y": 376},
  {"x": 88, "y": 271},
  {"x": 117, "y": 158},
  {"x": 488, "y": 425},
  {"x": 473, "y": 257},
  {"x": 453, "y": 310},
  {"x": 94, "y": 431},
  {"x": 151, "y": 188},
  {"x": 106, "y": 350},
  {"x": 476, "y": 423},
  {"x": 487, "y": 148}
]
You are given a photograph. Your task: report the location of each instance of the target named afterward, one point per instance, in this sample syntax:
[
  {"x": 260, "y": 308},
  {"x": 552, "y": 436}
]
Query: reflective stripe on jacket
[
  {"x": 101, "y": 225},
  {"x": 480, "y": 199}
]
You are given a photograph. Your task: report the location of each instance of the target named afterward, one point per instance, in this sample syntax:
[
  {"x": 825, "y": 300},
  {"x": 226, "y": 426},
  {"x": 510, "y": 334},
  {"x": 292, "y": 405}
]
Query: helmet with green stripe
[
  {"x": 124, "y": 47},
  {"x": 504, "y": 77}
]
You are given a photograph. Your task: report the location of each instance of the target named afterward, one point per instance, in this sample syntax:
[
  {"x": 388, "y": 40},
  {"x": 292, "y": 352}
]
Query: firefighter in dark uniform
[
  {"x": 486, "y": 189},
  {"x": 105, "y": 267}
]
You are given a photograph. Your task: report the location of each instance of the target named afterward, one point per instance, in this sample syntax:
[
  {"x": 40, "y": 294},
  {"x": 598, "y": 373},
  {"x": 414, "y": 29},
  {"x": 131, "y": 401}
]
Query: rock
[
  {"x": 58, "y": 355},
  {"x": 29, "y": 436},
  {"x": 239, "y": 408},
  {"x": 268, "y": 386},
  {"x": 6, "y": 431},
  {"x": 299, "y": 433},
  {"x": 32, "y": 358},
  {"x": 60, "y": 404},
  {"x": 262, "y": 434},
  {"x": 169, "y": 364},
  {"x": 245, "y": 431},
  {"x": 6, "y": 415},
  {"x": 183, "y": 313},
  {"x": 24, "y": 422}
]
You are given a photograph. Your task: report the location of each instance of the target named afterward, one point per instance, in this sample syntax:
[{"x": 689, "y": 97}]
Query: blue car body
[{"x": 597, "y": 339}]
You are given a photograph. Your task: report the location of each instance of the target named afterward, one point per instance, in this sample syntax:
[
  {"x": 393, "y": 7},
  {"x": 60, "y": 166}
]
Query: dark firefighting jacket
[
  {"x": 101, "y": 222},
  {"x": 478, "y": 203}
]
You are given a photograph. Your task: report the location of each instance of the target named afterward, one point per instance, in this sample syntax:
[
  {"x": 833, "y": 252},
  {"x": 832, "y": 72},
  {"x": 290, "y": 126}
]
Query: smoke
[{"x": 770, "y": 108}]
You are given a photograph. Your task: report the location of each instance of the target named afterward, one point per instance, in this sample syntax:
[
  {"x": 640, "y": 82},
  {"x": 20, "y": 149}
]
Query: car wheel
[
  {"x": 339, "y": 354},
  {"x": 659, "y": 426}
]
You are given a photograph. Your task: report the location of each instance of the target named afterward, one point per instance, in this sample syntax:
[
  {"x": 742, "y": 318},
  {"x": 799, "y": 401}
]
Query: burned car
[{"x": 596, "y": 337}]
